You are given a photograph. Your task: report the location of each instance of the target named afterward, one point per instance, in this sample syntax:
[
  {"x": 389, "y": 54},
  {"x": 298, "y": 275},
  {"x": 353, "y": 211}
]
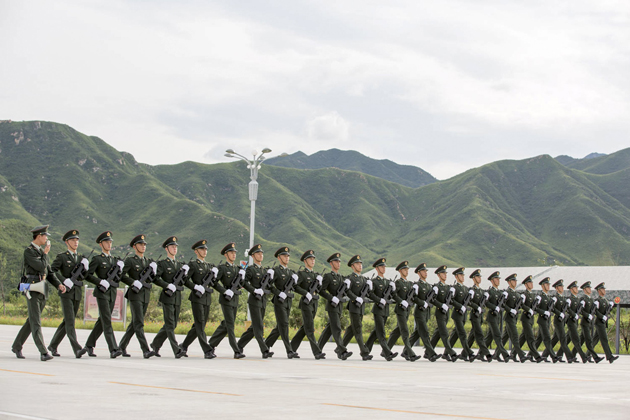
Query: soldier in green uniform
[
  {"x": 559, "y": 320},
  {"x": 356, "y": 306},
  {"x": 36, "y": 270},
  {"x": 282, "y": 301},
  {"x": 200, "y": 298},
  {"x": 105, "y": 294},
  {"x": 441, "y": 315},
  {"x": 228, "y": 299},
  {"x": 167, "y": 271},
  {"x": 576, "y": 305},
  {"x": 403, "y": 295},
  {"x": 603, "y": 306},
  {"x": 587, "y": 322},
  {"x": 494, "y": 317},
  {"x": 330, "y": 287},
  {"x": 476, "y": 318},
  {"x": 257, "y": 301},
  {"x": 421, "y": 314},
  {"x": 459, "y": 316},
  {"x": 138, "y": 301},
  {"x": 380, "y": 310},
  {"x": 62, "y": 267},
  {"x": 527, "y": 320},
  {"x": 512, "y": 303},
  {"x": 308, "y": 304},
  {"x": 544, "y": 310}
]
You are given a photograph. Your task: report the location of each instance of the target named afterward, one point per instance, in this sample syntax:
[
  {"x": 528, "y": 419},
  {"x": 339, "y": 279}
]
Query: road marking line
[
  {"x": 22, "y": 416},
  {"x": 539, "y": 377},
  {"x": 412, "y": 412},
  {"x": 176, "y": 389},
  {"x": 28, "y": 373}
]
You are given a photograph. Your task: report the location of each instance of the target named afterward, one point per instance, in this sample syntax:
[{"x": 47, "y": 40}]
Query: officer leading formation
[{"x": 458, "y": 302}]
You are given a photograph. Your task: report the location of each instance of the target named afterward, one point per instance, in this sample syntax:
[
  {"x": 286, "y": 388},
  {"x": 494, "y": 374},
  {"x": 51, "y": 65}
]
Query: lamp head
[
  {"x": 230, "y": 151},
  {"x": 266, "y": 150}
]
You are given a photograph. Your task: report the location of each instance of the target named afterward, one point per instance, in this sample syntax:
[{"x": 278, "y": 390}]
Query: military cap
[
  {"x": 308, "y": 254},
  {"x": 511, "y": 277},
  {"x": 282, "y": 251},
  {"x": 441, "y": 269},
  {"x": 171, "y": 240},
  {"x": 476, "y": 273},
  {"x": 354, "y": 259},
  {"x": 494, "y": 275},
  {"x": 460, "y": 270},
  {"x": 105, "y": 236},
  {"x": 379, "y": 262},
  {"x": 229, "y": 247},
  {"x": 40, "y": 230},
  {"x": 137, "y": 240},
  {"x": 203, "y": 244},
  {"x": 404, "y": 264},
  {"x": 528, "y": 279},
  {"x": 572, "y": 285},
  {"x": 544, "y": 281},
  {"x": 422, "y": 266},
  {"x": 71, "y": 234},
  {"x": 558, "y": 283},
  {"x": 601, "y": 285},
  {"x": 334, "y": 257},
  {"x": 256, "y": 248},
  {"x": 586, "y": 285}
]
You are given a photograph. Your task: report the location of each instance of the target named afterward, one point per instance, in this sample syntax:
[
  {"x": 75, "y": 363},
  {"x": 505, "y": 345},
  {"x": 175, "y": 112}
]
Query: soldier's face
[
  {"x": 423, "y": 274},
  {"x": 442, "y": 276},
  {"x": 258, "y": 257},
  {"x": 357, "y": 267},
  {"x": 404, "y": 272},
  {"x": 73, "y": 244},
  {"x": 477, "y": 280},
  {"x": 546, "y": 287},
  {"x": 560, "y": 289},
  {"x": 529, "y": 285},
  {"x": 172, "y": 250},
  {"x": 106, "y": 246},
  {"x": 284, "y": 259},
  {"x": 512, "y": 284},
  {"x": 201, "y": 253},
  {"x": 380, "y": 270},
  {"x": 230, "y": 256},
  {"x": 602, "y": 292},
  {"x": 335, "y": 265},
  {"x": 309, "y": 263},
  {"x": 587, "y": 290},
  {"x": 40, "y": 240},
  {"x": 141, "y": 248},
  {"x": 574, "y": 290},
  {"x": 495, "y": 281},
  {"x": 459, "y": 278}
]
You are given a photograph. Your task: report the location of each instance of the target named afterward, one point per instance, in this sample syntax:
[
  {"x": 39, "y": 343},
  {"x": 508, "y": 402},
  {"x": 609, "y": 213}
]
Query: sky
[{"x": 444, "y": 85}]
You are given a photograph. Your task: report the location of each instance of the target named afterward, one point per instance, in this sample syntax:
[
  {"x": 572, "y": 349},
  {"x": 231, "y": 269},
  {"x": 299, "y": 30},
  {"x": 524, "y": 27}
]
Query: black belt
[{"x": 33, "y": 279}]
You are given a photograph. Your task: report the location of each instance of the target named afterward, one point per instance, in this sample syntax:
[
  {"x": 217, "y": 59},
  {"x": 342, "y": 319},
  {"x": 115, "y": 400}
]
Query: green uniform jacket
[
  {"x": 527, "y": 305},
  {"x": 356, "y": 284},
  {"x": 476, "y": 300},
  {"x": 603, "y": 308},
  {"x": 573, "y": 307},
  {"x": 493, "y": 299},
  {"x": 377, "y": 293},
  {"x": 461, "y": 292},
  {"x": 557, "y": 307},
  {"x": 131, "y": 272},
  {"x": 227, "y": 272},
  {"x": 197, "y": 271},
  {"x": 588, "y": 306},
  {"x": 512, "y": 301},
  {"x": 402, "y": 289},
  {"x": 97, "y": 271},
  {"x": 443, "y": 291},
  {"x": 166, "y": 270},
  {"x": 306, "y": 277},
  {"x": 419, "y": 299},
  {"x": 281, "y": 276},
  {"x": 36, "y": 264},
  {"x": 330, "y": 285},
  {"x": 253, "y": 278},
  {"x": 62, "y": 266},
  {"x": 544, "y": 305}
]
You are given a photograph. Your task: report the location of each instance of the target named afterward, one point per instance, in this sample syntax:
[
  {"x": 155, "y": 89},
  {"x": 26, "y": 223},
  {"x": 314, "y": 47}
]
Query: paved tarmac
[{"x": 278, "y": 388}]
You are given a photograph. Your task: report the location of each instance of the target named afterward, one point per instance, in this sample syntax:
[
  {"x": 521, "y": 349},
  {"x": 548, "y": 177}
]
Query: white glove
[
  {"x": 360, "y": 300},
  {"x": 241, "y": 272},
  {"x": 319, "y": 279},
  {"x": 561, "y": 315},
  {"x": 523, "y": 298},
  {"x": 576, "y": 317},
  {"x": 259, "y": 292},
  {"x": 555, "y": 299},
  {"x": 479, "y": 310},
  {"x": 393, "y": 285},
  {"x": 282, "y": 295},
  {"x": 404, "y": 304},
  {"x": 547, "y": 314},
  {"x": 185, "y": 267},
  {"x": 538, "y": 298},
  {"x": 597, "y": 304},
  {"x": 137, "y": 284},
  {"x": 505, "y": 294},
  {"x": 369, "y": 282},
  {"x": 531, "y": 312},
  {"x": 383, "y": 302},
  {"x": 68, "y": 283},
  {"x": 229, "y": 293},
  {"x": 435, "y": 289},
  {"x": 121, "y": 264},
  {"x": 452, "y": 289},
  {"x": 415, "y": 288},
  {"x": 171, "y": 287},
  {"x": 486, "y": 294},
  {"x": 471, "y": 292},
  {"x": 513, "y": 311},
  {"x": 335, "y": 300},
  {"x": 583, "y": 303},
  {"x": 444, "y": 307},
  {"x": 611, "y": 303},
  {"x": 308, "y": 296},
  {"x": 590, "y": 317},
  {"x": 215, "y": 271},
  {"x": 270, "y": 272},
  {"x": 86, "y": 263},
  {"x": 604, "y": 318},
  {"x": 105, "y": 284},
  {"x": 153, "y": 266},
  {"x": 200, "y": 288},
  {"x": 347, "y": 282},
  {"x": 464, "y": 309},
  {"x": 425, "y": 305},
  {"x": 295, "y": 278}
]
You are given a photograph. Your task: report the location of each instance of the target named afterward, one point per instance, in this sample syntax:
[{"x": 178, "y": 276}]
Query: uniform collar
[
  {"x": 37, "y": 247},
  {"x": 257, "y": 265}
]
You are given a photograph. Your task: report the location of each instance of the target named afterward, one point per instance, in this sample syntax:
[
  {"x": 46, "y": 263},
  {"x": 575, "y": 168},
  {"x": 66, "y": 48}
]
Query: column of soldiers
[{"x": 457, "y": 302}]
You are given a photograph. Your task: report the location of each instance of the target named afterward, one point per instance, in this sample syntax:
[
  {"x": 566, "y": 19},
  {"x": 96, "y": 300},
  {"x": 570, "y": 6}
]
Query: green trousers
[
  {"x": 69, "y": 308},
  {"x": 544, "y": 337},
  {"x": 602, "y": 336},
  {"x": 356, "y": 330},
  {"x": 198, "y": 329},
  {"x": 560, "y": 336},
  {"x": 422, "y": 332},
  {"x": 282, "y": 327},
  {"x": 307, "y": 329},
  {"x": 527, "y": 336},
  {"x": 256, "y": 329},
  {"x": 587, "y": 337},
  {"x": 104, "y": 324},
  {"x": 226, "y": 328},
  {"x": 401, "y": 330},
  {"x": 33, "y": 324},
  {"x": 332, "y": 328},
  {"x": 171, "y": 318},
  {"x": 511, "y": 333},
  {"x": 574, "y": 337},
  {"x": 379, "y": 334},
  {"x": 138, "y": 310},
  {"x": 441, "y": 333},
  {"x": 494, "y": 322},
  {"x": 460, "y": 333},
  {"x": 476, "y": 334}
]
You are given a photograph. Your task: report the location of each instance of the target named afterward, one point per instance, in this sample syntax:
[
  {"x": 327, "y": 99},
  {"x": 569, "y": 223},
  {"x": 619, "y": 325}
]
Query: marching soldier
[
  {"x": 603, "y": 310},
  {"x": 283, "y": 280},
  {"x": 257, "y": 302},
  {"x": 403, "y": 295},
  {"x": 495, "y": 297},
  {"x": 459, "y": 316},
  {"x": 200, "y": 298},
  {"x": 576, "y": 305},
  {"x": 512, "y": 303},
  {"x": 36, "y": 269},
  {"x": 356, "y": 306},
  {"x": 308, "y": 304},
  {"x": 477, "y": 306},
  {"x": 228, "y": 300},
  {"x": 558, "y": 323},
  {"x": 421, "y": 314},
  {"x": 380, "y": 312},
  {"x": 441, "y": 315},
  {"x": 99, "y": 267},
  {"x": 134, "y": 267},
  {"x": 544, "y": 310},
  {"x": 587, "y": 322},
  {"x": 167, "y": 270},
  {"x": 62, "y": 267},
  {"x": 527, "y": 319},
  {"x": 330, "y": 288}
]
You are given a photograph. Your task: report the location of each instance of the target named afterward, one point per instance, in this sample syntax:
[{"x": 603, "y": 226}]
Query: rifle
[
  {"x": 387, "y": 295},
  {"x": 466, "y": 301},
  {"x": 341, "y": 292},
  {"x": 449, "y": 297},
  {"x": 607, "y": 314},
  {"x": 409, "y": 297},
  {"x": 518, "y": 305},
  {"x": 500, "y": 303},
  {"x": 482, "y": 302},
  {"x": 208, "y": 281},
  {"x": 578, "y": 311},
  {"x": 236, "y": 283},
  {"x": 288, "y": 287},
  {"x": 430, "y": 297},
  {"x": 146, "y": 278},
  {"x": 314, "y": 288},
  {"x": 535, "y": 304},
  {"x": 266, "y": 281},
  {"x": 178, "y": 280},
  {"x": 79, "y": 271},
  {"x": 114, "y": 274}
]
